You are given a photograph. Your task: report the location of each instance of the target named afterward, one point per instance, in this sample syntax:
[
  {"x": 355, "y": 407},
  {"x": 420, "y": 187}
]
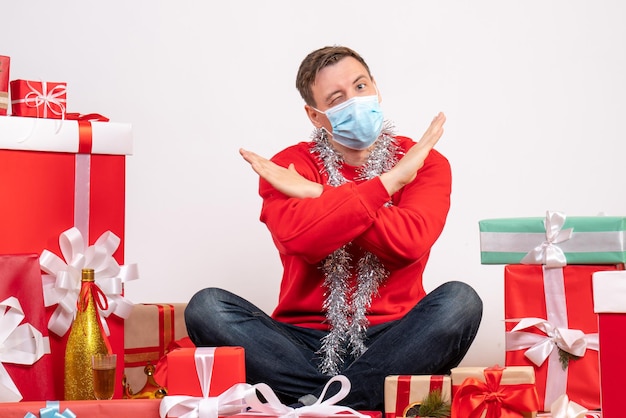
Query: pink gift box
[{"x": 115, "y": 408}]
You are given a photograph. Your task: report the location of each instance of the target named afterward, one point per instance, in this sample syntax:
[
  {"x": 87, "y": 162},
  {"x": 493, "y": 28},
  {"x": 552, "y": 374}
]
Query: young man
[{"x": 353, "y": 214}]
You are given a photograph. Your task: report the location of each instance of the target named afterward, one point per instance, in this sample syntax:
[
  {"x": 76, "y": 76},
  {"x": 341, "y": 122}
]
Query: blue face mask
[{"x": 357, "y": 122}]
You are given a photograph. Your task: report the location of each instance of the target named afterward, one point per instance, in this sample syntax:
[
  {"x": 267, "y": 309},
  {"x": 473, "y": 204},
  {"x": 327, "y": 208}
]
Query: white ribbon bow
[
  {"x": 539, "y": 347},
  {"x": 19, "y": 344},
  {"x": 239, "y": 397},
  {"x": 321, "y": 408},
  {"x": 50, "y": 99},
  {"x": 62, "y": 284},
  {"x": 548, "y": 253},
  {"x": 562, "y": 407}
]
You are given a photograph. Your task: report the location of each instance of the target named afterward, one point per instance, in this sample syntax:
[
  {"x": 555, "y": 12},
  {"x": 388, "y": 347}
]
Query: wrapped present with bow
[
  {"x": 551, "y": 326},
  {"x": 38, "y": 99},
  {"x": 5, "y": 66},
  {"x": 25, "y": 363},
  {"x": 53, "y": 179},
  {"x": 554, "y": 241},
  {"x": 609, "y": 298},
  {"x": 494, "y": 392},
  {"x": 404, "y": 394},
  {"x": 222, "y": 366},
  {"x": 205, "y": 382}
]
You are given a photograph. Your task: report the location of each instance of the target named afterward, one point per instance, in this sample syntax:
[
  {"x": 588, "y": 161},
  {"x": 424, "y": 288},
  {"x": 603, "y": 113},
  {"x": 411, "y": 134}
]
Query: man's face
[{"x": 337, "y": 83}]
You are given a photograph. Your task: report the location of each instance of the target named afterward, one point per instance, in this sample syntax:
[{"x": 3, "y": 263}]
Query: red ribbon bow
[
  {"x": 500, "y": 401},
  {"x": 84, "y": 129},
  {"x": 101, "y": 302}
]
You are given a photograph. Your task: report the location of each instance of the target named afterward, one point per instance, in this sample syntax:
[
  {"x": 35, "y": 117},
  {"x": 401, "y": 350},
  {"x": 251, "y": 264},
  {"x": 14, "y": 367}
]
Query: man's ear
[{"x": 314, "y": 116}]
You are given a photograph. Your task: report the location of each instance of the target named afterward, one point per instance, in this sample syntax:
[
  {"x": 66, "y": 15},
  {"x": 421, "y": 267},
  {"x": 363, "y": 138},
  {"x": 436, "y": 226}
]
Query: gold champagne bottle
[{"x": 86, "y": 339}]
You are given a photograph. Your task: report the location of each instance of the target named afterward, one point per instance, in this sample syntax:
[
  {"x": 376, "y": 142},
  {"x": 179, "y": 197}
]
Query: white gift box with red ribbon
[{"x": 73, "y": 136}]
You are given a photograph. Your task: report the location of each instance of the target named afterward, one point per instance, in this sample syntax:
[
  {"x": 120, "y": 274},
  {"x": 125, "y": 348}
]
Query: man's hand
[
  {"x": 285, "y": 180},
  {"x": 405, "y": 171}
]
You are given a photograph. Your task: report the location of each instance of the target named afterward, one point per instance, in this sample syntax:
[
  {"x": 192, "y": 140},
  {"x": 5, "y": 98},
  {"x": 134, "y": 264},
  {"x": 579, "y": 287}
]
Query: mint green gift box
[{"x": 569, "y": 240}]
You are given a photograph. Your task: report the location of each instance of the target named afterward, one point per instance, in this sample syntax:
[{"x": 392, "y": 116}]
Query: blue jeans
[{"x": 432, "y": 338}]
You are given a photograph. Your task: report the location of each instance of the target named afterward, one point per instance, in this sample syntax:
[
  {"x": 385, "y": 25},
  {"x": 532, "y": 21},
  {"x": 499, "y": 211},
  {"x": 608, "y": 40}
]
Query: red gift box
[
  {"x": 480, "y": 392},
  {"x": 609, "y": 294},
  {"x": 5, "y": 65},
  {"x": 403, "y": 392},
  {"x": 45, "y": 193},
  {"x": 20, "y": 278},
  {"x": 549, "y": 313},
  {"x": 38, "y": 99},
  {"x": 228, "y": 369}
]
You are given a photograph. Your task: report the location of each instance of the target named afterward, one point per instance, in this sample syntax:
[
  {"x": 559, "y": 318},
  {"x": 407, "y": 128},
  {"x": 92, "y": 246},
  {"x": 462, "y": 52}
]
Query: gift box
[
  {"x": 609, "y": 296},
  {"x": 552, "y": 327},
  {"x": 5, "y": 66},
  {"x": 555, "y": 240},
  {"x": 227, "y": 369},
  {"x": 404, "y": 393},
  {"x": 149, "y": 334},
  {"x": 38, "y": 99},
  {"x": 480, "y": 392},
  {"x": 24, "y": 372},
  {"x": 115, "y": 408},
  {"x": 55, "y": 177}
]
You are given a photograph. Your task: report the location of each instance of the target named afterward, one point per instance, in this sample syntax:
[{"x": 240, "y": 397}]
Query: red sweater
[{"x": 305, "y": 231}]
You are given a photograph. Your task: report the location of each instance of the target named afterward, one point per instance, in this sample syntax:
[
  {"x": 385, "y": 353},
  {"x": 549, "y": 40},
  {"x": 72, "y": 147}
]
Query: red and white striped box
[{"x": 403, "y": 392}]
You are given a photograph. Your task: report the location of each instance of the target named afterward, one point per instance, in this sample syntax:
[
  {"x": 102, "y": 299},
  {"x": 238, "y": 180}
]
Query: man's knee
[
  {"x": 202, "y": 305},
  {"x": 463, "y": 302}
]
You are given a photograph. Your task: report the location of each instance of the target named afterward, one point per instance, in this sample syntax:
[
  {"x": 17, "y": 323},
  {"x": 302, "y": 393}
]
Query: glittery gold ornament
[{"x": 86, "y": 339}]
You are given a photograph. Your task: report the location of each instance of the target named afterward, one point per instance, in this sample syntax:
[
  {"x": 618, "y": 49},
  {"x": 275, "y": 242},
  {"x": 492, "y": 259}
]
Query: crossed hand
[{"x": 289, "y": 182}]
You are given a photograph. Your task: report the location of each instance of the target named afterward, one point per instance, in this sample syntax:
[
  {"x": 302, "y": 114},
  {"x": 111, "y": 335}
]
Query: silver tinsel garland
[{"x": 346, "y": 305}]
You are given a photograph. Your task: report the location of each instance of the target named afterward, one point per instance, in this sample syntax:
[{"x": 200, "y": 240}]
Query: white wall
[{"x": 534, "y": 91}]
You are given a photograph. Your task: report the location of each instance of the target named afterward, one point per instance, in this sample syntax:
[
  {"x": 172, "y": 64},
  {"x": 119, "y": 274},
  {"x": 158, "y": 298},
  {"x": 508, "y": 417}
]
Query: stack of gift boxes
[
  {"x": 564, "y": 281},
  {"x": 62, "y": 187}
]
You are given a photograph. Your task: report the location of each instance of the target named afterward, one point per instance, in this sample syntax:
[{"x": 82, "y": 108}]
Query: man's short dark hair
[{"x": 315, "y": 61}]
